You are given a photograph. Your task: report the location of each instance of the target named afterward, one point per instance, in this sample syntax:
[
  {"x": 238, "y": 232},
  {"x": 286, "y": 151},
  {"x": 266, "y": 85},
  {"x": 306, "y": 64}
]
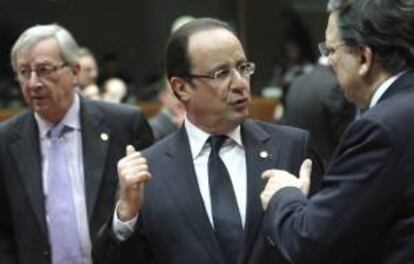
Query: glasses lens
[
  {"x": 251, "y": 68},
  {"x": 246, "y": 69}
]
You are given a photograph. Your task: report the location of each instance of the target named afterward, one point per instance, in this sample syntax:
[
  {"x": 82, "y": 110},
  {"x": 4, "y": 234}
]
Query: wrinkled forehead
[{"x": 43, "y": 51}]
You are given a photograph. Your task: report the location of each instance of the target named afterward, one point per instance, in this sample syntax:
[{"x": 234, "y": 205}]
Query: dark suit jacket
[
  {"x": 23, "y": 229},
  {"x": 174, "y": 228},
  {"x": 315, "y": 102},
  {"x": 364, "y": 212}
]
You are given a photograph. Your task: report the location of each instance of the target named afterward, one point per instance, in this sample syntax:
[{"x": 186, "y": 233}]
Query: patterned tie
[
  {"x": 62, "y": 226},
  {"x": 226, "y": 215}
]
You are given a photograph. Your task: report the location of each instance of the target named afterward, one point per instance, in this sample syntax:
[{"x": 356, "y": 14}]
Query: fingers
[
  {"x": 305, "y": 169},
  {"x": 279, "y": 179},
  {"x": 276, "y": 180},
  {"x": 130, "y": 149},
  {"x": 305, "y": 175},
  {"x": 135, "y": 174},
  {"x": 270, "y": 173},
  {"x": 133, "y": 169}
]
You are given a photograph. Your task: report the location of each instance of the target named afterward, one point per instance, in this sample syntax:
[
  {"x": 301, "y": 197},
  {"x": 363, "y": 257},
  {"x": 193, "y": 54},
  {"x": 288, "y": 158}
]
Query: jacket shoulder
[
  {"x": 113, "y": 108},
  {"x": 15, "y": 121},
  {"x": 279, "y": 130}
]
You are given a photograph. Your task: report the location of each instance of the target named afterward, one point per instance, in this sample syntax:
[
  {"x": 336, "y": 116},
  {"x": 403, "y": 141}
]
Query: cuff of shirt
[{"x": 123, "y": 230}]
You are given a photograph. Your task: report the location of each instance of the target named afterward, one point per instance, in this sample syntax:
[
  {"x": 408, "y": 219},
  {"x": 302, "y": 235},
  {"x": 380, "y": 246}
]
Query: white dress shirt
[
  {"x": 234, "y": 157},
  {"x": 383, "y": 88},
  {"x": 73, "y": 146}
]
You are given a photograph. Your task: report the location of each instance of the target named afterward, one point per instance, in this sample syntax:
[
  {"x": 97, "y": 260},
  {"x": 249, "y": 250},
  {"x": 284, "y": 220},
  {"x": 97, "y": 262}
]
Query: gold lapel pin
[{"x": 104, "y": 136}]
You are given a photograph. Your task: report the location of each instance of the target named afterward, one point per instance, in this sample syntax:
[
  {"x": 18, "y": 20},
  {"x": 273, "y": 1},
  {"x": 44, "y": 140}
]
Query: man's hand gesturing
[{"x": 133, "y": 174}]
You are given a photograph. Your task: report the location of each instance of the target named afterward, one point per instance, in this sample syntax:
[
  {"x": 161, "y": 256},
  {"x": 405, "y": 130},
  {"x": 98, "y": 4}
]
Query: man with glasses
[
  {"x": 201, "y": 204},
  {"x": 364, "y": 212},
  {"x": 58, "y": 160}
]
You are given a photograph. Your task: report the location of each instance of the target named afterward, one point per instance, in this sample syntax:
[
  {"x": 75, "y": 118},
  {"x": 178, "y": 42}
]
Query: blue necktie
[
  {"x": 62, "y": 225},
  {"x": 226, "y": 216}
]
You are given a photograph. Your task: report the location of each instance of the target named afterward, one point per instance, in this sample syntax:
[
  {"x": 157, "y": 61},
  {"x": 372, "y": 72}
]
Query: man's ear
[
  {"x": 366, "y": 60},
  {"x": 75, "y": 69},
  {"x": 180, "y": 88}
]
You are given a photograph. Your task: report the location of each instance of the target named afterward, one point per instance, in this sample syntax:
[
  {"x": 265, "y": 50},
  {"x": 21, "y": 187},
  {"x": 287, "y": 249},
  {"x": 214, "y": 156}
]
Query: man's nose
[
  {"x": 236, "y": 74},
  {"x": 33, "y": 80},
  {"x": 238, "y": 81}
]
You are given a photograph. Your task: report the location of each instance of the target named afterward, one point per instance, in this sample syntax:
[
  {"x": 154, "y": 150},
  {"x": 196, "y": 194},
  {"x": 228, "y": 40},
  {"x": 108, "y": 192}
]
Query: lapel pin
[
  {"x": 104, "y": 137},
  {"x": 264, "y": 154}
]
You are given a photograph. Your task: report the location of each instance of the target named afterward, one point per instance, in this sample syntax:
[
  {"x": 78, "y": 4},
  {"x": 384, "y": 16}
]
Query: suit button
[{"x": 46, "y": 253}]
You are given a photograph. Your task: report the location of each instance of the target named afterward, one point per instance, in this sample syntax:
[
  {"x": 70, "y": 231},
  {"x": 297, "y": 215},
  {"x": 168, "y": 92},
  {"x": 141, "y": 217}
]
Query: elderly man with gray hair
[{"x": 58, "y": 166}]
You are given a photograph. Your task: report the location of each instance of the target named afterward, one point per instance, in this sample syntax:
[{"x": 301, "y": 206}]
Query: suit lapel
[
  {"x": 95, "y": 141},
  {"x": 184, "y": 189},
  {"x": 25, "y": 149},
  {"x": 259, "y": 157}
]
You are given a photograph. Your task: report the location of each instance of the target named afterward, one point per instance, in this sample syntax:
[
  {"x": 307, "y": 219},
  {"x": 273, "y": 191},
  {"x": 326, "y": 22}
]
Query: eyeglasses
[
  {"x": 42, "y": 71},
  {"x": 327, "y": 51},
  {"x": 244, "y": 69}
]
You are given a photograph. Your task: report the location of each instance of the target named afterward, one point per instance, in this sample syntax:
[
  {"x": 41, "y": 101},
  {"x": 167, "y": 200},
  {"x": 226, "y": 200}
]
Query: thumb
[
  {"x": 305, "y": 175},
  {"x": 130, "y": 149}
]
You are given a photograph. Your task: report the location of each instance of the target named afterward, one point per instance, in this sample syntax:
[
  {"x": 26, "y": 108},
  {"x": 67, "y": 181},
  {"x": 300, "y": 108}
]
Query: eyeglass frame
[
  {"x": 327, "y": 51},
  {"x": 37, "y": 71},
  {"x": 251, "y": 67}
]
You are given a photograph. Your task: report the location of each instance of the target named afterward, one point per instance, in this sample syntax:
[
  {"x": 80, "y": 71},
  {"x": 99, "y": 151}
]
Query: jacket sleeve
[
  {"x": 359, "y": 196},
  {"x": 108, "y": 249}
]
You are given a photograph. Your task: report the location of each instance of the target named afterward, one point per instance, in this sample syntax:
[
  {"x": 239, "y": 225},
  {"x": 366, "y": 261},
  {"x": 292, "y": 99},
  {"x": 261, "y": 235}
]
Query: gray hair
[
  {"x": 372, "y": 23},
  {"x": 33, "y": 35}
]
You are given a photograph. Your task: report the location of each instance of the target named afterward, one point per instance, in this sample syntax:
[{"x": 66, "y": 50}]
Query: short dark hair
[
  {"x": 386, "y": 26},
  {"x": 177, "y": 58}
]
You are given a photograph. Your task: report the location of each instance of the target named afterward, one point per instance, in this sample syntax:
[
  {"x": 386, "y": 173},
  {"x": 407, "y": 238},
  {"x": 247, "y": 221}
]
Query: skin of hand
[
  {"x": 278, "y": 179},
  {"x": 133, "y": 174}
]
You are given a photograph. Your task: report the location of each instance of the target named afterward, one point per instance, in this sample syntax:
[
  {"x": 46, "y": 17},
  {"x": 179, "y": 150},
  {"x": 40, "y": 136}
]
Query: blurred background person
[
  {"x": 171, "y": 115},
  {"x": 172, "y": 112},
  {"x": 92, "y": 92},
  {"x": 115, "y": 90},
  {"x": 297, "y": 55},
  {"x": 315, "y": 102},
  {"x": 88, "y": 73}
]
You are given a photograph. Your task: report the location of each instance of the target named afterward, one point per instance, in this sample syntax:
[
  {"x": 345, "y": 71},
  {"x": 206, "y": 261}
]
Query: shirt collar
[
  {"x": 383, "y": 88},
  {"x": 197, "y": 137},
  {"x": 71, "y": 119}
]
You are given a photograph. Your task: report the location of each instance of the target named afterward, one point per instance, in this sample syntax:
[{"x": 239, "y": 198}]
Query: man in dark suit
[
  {"x": 364, "y": 212},
  {"x": 38, "y": 218},
  {"x": 180, "y": 216},
  {"x": 315, "y": 102}
]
